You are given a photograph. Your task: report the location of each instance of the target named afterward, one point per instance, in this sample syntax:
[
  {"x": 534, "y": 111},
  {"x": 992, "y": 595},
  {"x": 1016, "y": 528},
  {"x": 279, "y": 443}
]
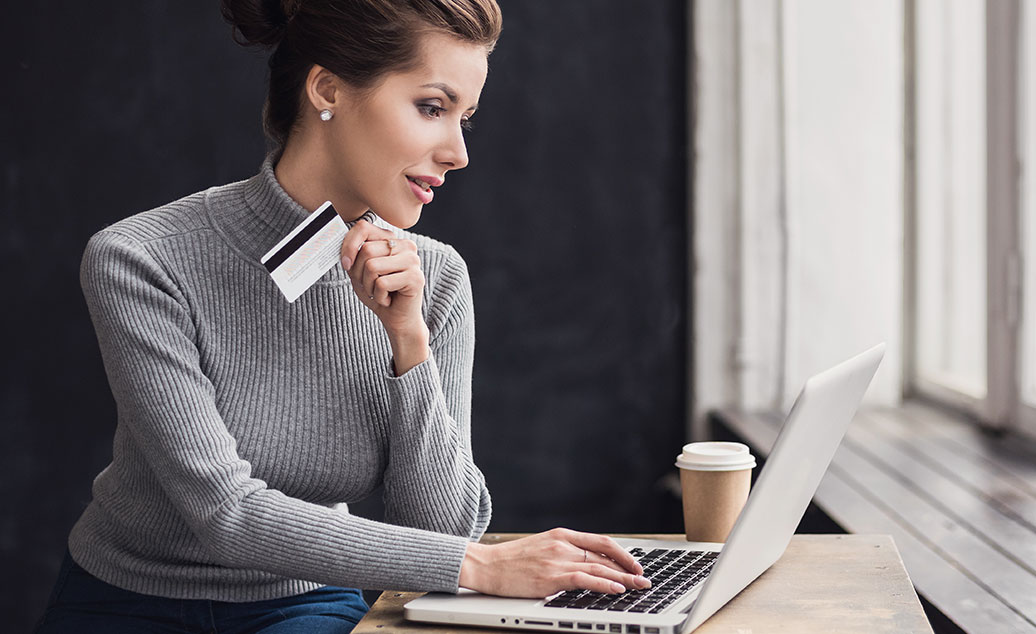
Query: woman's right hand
[{"x": 547, "y": 563}]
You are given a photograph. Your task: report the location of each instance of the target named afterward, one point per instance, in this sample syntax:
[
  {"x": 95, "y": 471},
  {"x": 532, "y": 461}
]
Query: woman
[{"x": 246, "y": 422}]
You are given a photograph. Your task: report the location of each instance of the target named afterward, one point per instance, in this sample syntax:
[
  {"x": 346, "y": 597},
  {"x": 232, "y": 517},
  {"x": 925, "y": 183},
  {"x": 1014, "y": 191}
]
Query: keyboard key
[{"x": 672, "y": 574}]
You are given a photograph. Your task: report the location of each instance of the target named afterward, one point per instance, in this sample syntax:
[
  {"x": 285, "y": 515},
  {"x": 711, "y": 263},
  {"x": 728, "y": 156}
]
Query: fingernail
[
  {"x": 618, "y": 587},
  {"x": 643, "y": 582},
  {"x": 346, "y": 263}
]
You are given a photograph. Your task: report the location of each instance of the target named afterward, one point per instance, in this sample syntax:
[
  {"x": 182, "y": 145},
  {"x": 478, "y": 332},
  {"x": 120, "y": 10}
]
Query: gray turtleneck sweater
[{"x": 245, "y": 422}]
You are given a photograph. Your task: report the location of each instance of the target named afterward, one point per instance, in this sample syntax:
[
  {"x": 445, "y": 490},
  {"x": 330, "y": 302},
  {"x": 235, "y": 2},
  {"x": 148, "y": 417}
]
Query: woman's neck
[{"x": 302, "y": 170}]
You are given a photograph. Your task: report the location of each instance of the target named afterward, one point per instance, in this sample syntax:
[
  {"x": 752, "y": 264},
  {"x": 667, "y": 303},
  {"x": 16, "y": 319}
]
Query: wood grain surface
[
  {"x": 959, "y": 503},
  {"x": 823, "y": 583}
]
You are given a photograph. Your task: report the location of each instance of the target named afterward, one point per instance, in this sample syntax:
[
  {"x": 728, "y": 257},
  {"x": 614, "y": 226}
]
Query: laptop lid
[{"x": 797, "y": 462}]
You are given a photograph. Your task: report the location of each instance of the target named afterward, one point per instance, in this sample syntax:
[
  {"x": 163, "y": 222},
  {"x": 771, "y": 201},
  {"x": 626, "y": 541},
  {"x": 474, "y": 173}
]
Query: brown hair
[{"x": 357, "y": 40}]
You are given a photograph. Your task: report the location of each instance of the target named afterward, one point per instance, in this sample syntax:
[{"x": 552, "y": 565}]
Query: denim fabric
[{"x": 82, "y": 603}]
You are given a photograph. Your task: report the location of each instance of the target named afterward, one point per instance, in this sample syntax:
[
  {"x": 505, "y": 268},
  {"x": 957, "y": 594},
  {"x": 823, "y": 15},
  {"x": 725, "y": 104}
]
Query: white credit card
[{"x": 310, "y": 250}]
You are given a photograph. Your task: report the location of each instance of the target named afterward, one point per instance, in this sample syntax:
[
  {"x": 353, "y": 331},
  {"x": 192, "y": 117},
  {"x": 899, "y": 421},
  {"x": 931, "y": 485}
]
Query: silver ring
[
  {"x": 391, "y": 245},
  {"x": 584, "y": 555}
]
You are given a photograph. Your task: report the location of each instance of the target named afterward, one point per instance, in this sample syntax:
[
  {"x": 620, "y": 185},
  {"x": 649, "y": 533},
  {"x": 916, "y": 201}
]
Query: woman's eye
[{"x": 431, "y": 110}]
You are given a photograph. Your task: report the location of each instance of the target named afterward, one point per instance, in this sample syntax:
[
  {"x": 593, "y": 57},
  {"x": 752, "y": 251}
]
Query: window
[
  {"x": 1028, "y": 212},
  {"x": 974, "y": 330},
  {"x": 811, "y": 237},
  {"x": 950, "y": 342}
]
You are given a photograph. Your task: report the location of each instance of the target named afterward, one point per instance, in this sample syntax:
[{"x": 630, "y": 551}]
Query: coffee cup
[{"x": 715, "y": 478}]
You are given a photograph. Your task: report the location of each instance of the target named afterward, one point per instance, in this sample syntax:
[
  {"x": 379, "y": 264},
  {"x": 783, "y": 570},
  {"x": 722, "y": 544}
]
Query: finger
[
  {"x": 360, "y": 233},
  {"x": 594, "y": 558},
  {"x": 379, "y": 248},
  {"x": 364, "y": 253},
  {"x": 360, "y": 274},
  {"x": 627, "y": 580},
  {"x": 607, "y": 547},
  {"x": 408, "y": 283},
  {"x": 377, "y": 267},
  {"x": 581, "y": 580}
]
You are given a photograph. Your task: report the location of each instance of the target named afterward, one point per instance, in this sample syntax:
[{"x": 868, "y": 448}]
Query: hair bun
[{"x": 258, "y": 22}]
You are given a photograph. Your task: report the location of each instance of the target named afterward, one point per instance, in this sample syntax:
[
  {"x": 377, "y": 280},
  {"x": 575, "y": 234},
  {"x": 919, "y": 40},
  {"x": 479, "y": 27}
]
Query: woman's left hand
[{"x": 386, "y": 275}]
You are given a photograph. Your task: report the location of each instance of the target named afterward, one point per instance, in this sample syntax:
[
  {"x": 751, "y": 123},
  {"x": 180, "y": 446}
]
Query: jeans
[{"x": 82, "y": 603}]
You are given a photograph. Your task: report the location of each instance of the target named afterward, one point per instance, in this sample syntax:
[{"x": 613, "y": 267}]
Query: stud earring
[{"x": 326, "y": 114}]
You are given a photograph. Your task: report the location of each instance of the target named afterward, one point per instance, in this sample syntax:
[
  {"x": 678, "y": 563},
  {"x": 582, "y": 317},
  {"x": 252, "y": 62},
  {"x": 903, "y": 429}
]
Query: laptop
[{"x": 692, "y": 580}]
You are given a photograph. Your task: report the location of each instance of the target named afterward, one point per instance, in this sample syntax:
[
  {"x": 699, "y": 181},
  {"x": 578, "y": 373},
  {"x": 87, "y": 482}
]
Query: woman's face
[{"x": 390, "y": 147}]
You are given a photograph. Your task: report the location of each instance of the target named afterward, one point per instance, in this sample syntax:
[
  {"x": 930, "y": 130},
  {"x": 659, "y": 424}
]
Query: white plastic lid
[{"x": 715, "y": 456}]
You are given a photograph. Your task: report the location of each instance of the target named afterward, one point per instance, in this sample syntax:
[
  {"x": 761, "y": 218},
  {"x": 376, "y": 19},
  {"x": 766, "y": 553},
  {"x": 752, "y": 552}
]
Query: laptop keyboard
[{"x": 672, "y": 574}]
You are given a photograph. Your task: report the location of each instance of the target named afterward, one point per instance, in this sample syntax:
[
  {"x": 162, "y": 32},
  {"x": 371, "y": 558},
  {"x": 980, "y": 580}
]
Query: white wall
[
  {"x": 713, "y": 272},
  {"x": 844, "y": 65},
  {"x": 798, "y": 208}
]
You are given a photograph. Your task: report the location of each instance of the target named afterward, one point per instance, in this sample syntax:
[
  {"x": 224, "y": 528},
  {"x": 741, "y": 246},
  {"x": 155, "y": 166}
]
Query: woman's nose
[{"x": 454, "y": 152}]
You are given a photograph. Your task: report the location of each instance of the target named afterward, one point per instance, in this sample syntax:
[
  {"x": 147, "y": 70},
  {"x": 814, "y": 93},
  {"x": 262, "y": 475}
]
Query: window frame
[
  {"x": 1026, "y": 133},
  {"x": 1002, "y": 406}
]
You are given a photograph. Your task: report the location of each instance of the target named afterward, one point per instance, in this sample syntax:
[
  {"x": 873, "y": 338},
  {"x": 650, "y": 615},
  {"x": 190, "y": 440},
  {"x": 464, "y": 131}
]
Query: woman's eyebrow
[{"x": 449, "y": 92}]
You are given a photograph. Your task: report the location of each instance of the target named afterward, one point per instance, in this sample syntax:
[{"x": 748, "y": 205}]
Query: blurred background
[
  {"x": 672, "y": 206},
  {"x": 860, "y": 175},
  {"x": 571, "y": 216}
]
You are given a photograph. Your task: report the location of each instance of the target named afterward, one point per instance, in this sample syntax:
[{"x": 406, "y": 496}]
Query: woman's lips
[{"x": 424, "y": 195}]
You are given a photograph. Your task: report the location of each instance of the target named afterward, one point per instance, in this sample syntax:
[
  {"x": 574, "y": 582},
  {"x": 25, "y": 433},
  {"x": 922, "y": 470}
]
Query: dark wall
[{"x": 571, "y": 216}]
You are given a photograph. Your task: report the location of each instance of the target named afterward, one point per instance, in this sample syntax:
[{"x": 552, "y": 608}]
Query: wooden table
[
  {"x": 959, "y": 503},
  {"x": 823, "y": 583}
]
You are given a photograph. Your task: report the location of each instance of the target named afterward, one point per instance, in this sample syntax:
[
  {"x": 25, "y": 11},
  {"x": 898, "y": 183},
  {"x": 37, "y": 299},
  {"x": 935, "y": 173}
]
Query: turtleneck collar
[{"x": 262, "y": 214}]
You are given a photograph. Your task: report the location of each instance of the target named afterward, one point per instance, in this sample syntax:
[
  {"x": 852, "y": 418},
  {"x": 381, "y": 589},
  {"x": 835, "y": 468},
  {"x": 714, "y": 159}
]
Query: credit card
[{"x": 310, "y": 250}]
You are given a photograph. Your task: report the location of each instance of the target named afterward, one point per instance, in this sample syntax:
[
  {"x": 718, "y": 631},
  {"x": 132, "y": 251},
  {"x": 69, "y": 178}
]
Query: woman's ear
[{"x": 324, "y": 91}]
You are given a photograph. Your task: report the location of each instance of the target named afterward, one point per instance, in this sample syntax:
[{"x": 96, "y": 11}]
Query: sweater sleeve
[
  {"x": 431, "y": 481},
  {"x": 147, "y": 340}
]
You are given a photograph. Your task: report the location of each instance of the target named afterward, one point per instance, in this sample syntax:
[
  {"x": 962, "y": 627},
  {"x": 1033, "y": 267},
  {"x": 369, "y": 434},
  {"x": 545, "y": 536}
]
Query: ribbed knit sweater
[{"x": 245, "y": 422}]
